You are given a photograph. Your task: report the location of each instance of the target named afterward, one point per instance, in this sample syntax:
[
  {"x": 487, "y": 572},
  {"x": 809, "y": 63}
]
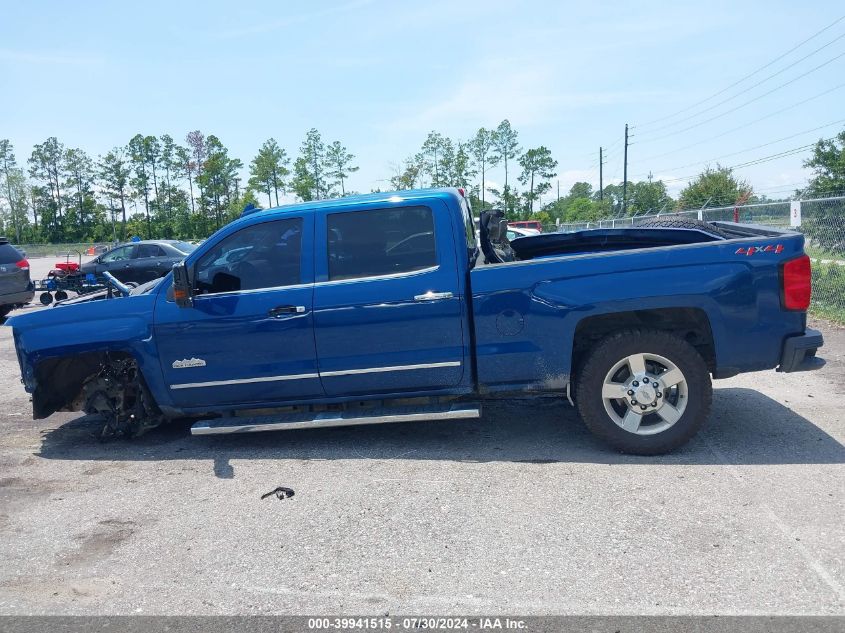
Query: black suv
[{"x": 16, "y": 287}]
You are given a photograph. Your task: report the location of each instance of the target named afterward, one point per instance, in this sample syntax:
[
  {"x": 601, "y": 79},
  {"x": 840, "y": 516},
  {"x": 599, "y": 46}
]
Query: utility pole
[
  {"x": 601, "y": 185},
  {"x": 558, "y": 190},
  {"x": 625, "y": 176}
]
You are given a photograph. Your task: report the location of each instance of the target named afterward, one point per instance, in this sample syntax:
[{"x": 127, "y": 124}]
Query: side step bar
[{"x": 310, "y": 420}]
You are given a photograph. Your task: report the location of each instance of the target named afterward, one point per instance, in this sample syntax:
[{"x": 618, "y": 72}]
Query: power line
[
  {"x": 749, "y": 89},
  {"x": 750, "y": 101},
  {"x": 748, "y": 76},
  {"x": 756, "y": 161},
  {"x": 746, "y": 125},
  {"x": 742, "y": 151}
]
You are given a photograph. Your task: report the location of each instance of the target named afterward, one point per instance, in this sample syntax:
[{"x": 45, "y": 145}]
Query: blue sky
[{"x": 379, "y": 75}]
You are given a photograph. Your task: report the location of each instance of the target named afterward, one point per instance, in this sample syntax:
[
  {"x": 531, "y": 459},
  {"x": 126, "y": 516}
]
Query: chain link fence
[
  {"x": 822, "y": 220},
  {"x": 85, "y": 249}
]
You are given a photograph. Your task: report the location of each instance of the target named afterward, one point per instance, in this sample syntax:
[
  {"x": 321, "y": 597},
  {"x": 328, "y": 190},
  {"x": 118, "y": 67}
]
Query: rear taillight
[
  {"x": 23, "y": 264},
  {"x": 795, "y": 280}
]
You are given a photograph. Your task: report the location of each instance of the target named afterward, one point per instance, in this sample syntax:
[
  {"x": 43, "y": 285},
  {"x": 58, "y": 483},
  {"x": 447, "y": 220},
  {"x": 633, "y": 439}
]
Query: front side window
[
  {"x": 266, "y": 255},
  {"x": 380, "y": 242},
  {"x": 118, "y": 254}
]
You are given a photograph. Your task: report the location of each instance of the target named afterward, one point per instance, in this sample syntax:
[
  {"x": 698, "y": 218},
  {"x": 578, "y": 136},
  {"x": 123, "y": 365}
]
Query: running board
[{"x": 310, "y": 420}]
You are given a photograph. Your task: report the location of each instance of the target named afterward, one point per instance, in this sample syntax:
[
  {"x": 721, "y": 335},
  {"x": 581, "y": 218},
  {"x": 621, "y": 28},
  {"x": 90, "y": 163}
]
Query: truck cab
[{"x": 330, "y": 301}]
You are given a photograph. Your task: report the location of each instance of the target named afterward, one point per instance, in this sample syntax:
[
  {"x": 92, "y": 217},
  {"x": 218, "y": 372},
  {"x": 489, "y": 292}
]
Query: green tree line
[{"x": 154, "y": 186}]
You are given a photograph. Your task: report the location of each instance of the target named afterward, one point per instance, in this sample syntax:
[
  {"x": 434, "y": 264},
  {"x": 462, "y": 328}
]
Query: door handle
[
  {"x": 433, "y": 296},
  {"x": 280, "y": 311}
]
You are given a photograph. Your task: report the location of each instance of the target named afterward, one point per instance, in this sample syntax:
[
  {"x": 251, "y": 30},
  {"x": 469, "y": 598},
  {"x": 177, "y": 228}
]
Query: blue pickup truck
[{"x": 389, "y": 308}]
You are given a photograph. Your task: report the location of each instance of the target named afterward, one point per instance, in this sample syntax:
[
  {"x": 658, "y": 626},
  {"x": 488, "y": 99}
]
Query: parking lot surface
[{"x": 519, "y": 512}]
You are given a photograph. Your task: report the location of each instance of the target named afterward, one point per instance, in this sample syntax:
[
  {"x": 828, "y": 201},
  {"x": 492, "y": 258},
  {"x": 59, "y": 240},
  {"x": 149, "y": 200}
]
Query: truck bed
[
  {"x": 528, "y": 312},
  {"x": 629, "y": 238}
]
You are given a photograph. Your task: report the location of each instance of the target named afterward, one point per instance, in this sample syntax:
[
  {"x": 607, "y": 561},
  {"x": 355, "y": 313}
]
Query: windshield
[{"x": 184, "y": 247}]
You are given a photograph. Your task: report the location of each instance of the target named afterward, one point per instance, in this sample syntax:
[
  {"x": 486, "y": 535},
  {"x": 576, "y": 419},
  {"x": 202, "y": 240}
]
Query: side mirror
[{"x": 183, "y": 291}]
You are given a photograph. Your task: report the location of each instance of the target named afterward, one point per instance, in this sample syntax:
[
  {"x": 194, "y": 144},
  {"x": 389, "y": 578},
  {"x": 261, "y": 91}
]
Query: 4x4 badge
[
  {"x": 188, "y": 362},
  {"x": 759, "y": 249}
]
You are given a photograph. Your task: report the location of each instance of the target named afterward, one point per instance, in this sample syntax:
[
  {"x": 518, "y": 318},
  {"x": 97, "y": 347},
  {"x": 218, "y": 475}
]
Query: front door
[
  {"x": 118, "y": 262},
  {"x": 248, "y": 339},
  {"x": 387, "y": 307}
]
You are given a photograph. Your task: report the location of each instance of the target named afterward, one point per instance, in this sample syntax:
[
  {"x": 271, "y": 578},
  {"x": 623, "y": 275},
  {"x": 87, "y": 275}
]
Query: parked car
[
  {"x": 16, "y": 288},
  {"x": 374, "y": 308},
  {"x": 535, "y": 225},
  {"x": 139, "y": 262}
]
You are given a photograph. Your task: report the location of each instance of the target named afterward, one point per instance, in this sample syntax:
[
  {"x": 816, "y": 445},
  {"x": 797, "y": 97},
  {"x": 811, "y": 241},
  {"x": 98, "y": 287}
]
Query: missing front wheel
[{"x": 118, "y": 395}]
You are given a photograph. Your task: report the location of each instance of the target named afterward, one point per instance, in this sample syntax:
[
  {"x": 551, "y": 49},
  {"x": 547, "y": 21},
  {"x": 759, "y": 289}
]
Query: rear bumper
[
  {"x": 15, "y": 298},
  {"x": 799, "y": 352}
]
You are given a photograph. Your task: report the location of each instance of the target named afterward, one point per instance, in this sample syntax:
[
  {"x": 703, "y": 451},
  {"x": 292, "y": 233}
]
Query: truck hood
[
  {"x": 81, "y": 312},
  {"x": 94, "y": 326},
  {"x": 104, "y": 294}
]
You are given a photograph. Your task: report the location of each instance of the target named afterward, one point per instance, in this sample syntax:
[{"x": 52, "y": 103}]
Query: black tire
[
  {"x": 683, "y": 223},
  {"x": 616, "y": 347},
  {"x": 45, "y": 298},
  {"x": 61, "y": 295},
  {"x": 4, "y": 311}
]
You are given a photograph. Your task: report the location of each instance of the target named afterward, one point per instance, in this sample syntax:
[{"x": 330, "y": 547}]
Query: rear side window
[
  {"x": 9, "y": 254},
  {"x": 380, "y": 242},
  {"x": 469, "y": 225},
  {"x": 149, "y": 250}
]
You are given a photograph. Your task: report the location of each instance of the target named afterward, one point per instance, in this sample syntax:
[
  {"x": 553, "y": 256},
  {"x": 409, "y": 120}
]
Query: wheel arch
[
  {"x": 691, "y": 324},
  {"x": 59, "y": 379}
]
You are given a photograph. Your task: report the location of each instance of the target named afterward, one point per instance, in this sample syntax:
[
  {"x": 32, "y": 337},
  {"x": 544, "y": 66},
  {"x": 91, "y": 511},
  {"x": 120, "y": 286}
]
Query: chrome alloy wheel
[{"x": 645, "y": 393}]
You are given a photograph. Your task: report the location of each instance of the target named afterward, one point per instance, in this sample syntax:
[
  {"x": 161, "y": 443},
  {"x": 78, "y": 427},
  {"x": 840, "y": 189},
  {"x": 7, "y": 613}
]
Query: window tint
[
  {"x": 118, "y": 254},
  {"x": 380, "y": 242},
  {"x": 149, "y": 250},
  {"x": 9, "y": 254},
  {"x": 265, "y": 255}
]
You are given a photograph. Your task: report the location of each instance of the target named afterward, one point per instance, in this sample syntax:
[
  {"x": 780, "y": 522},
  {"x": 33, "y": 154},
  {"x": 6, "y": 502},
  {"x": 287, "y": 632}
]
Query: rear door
[
  {"x": 387, "y": 307},
  {"x": 248, "y": 339},
  {"x": 150, "y": 262}
]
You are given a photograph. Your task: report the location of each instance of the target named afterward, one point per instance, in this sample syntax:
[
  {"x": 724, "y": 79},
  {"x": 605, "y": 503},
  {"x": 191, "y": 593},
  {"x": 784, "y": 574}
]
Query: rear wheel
[
  {"x": 4, "y": 311},
  {"x": 644, "y": 391}
]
